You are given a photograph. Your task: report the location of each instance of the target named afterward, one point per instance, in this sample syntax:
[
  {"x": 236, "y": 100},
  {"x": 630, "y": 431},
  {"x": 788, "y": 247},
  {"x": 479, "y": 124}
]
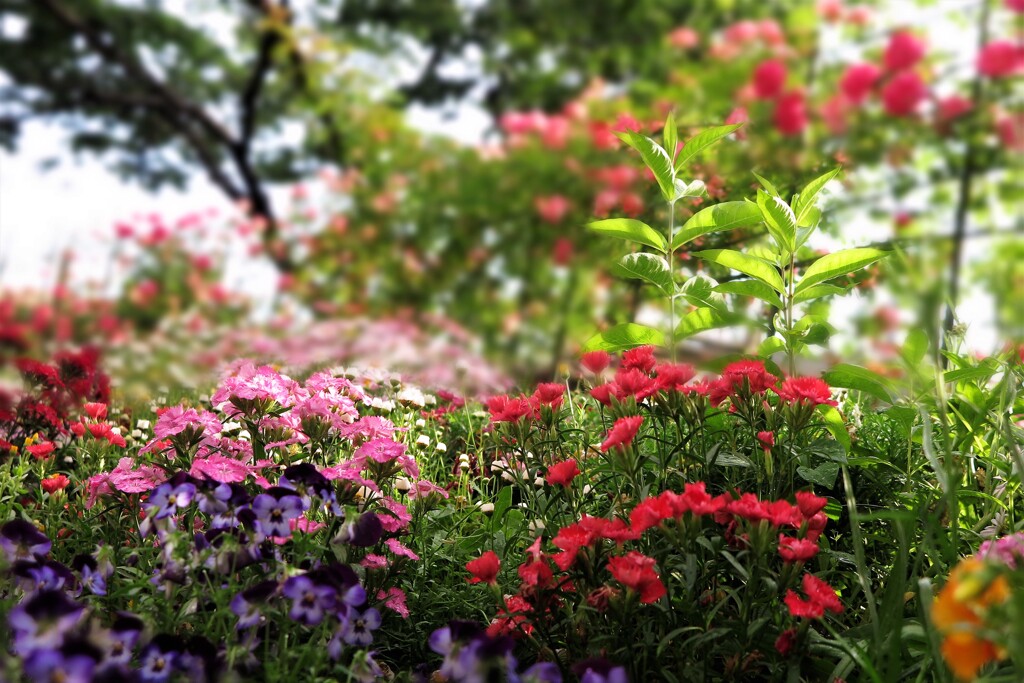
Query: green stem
[
  {"x": 790, "y": 351},
  {"x": 672, "y": 276}
]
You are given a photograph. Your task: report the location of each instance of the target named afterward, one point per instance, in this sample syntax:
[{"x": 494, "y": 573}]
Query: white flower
[
  {"x": 486, "y": 508},
  {"x": 412, "y": 396},
  {"x": 423, "y": 440},
  {"x": 142, "y": 424},
  {"x": 421, "y": 423}
]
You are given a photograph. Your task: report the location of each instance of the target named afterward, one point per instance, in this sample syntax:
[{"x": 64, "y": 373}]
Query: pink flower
[
  {"x": 1000, "y": 58},
  {"x": 858, "y": 80},
  {"x": 952, "y": 107},
  {"x": 903, "y": 51},
  {"x": 96, "y": 411},
  {"x": 1010, "y": 128},
  {"x": 769, "y": 79},
  {"x": 684, "y": 38},
  {"x": 766, "y": 439},
  {"x": 622, "y": 432},
  {"x": 305, "y": 525},
  {"x": 738, "y": 115},
  {"x": 395, "y": 601},
  {"x": 41, "y": 450},
  {"x": 642, "y": 358},
  {"x": 903, "y": 94},
  {"x": 595, "y": 361},
  {"x": 1015, "y": 6},
  {"x": 398, "y": 518},
  {"x": 743, "y": 31},
  {"x": 552, "y": 209},
  {"x": 372, "y": 561},
  {"x": 790, "y": 113},
  {"x": 177, "y": 419},
  {"x": 219, "y": 468},
  {"x": 770, "y": 32},
  {"x": 395, "y": 546},
  {"x": 830, "y": 10},
  {"x": 380, "y": 450}
]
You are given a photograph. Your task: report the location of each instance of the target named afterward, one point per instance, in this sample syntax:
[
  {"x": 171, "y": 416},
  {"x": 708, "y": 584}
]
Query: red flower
[
  {"x": 96, "y": 411},
  {"x": 602, "y": 393},
  {"x": 820, "y": 597},
  {"x": 600, "y": 597},
  {"x": 536, "y": 574},
  {"x": 1015, "y": 5},
  {"x": 796, "y": 549},
  {"x": 791, "y": 113},
  {"x": 785, "y": 642},
  {"x": 749, "y": 508},
  {"x": 822, "y": 593},
  {"x": 633, "y": 382},
  {"x": 902, "y": 95},
  {"x": 641, "y": 358},
  {"x": 622, "y": 432},
  {"x": 769, "y": 79},
  {"x": 783, "y": 513},
  {"x": 903, "y": 51},
  {"x": 858, "y": 80},
  {"x": 671, "y": 377},
  {"x": 42, "y": 450},
  {"x": 485, "y": 568},
  {"x": 55, "y": 483},
  {"x": 766, "y": 439},
  {"x": 509, "y": 409},
  {"x": 650, "y": 512},
  {"x": 552, "y": 209},
  {"x": 549, "y": 394},
  {"x": 803, "y": 609},
  {"x": 562, "y": 473},
  {"x": 595, "y": 361},
  {"x": 570, "y": 540},
  {"x": 511, "y": 619},
  {"x": 748, "y": 372},
  {"x": 636, "y": 572},
  {"x": 1000, "y": 58},
  {"x": 812, "y": 390},
  {"x": 810, "y": 504}
]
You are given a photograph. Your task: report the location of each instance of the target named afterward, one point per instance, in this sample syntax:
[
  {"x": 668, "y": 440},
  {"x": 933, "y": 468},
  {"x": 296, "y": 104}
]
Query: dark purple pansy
[
  {"x": 39, "y": 576},
  {"x": 166, "y": 499},
  {"x": 49, "y": 665},
  {"x": 274, "y": 511},
  {"x": 89, "y": 575},
  {"x": 599, "y": 670},
  {"x": 159, "y": 658},
  {"x": 248, "y": 604},
  {"x": 358, "y": 628},
  {"x": 124, "y": 636},
  {"x": 21, "y": 540},
  {"x": 42, "y": 620},
  {"x": 310, "y": 601},
  {"x": 363, "y": 532}
]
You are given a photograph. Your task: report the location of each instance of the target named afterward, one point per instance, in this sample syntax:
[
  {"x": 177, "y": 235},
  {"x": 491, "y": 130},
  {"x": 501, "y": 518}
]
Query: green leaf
[
  {"x": 767, "y": 185},
  {"x": 630, "y": 230},
  {"x": 748, "y": 265},
  {"x": 699, "y": 291},
  {"x": 701, "y": 141},
  {"x": 818, "y": 334},
  {"x": 779, "y": 219},
  {"x": 847, "y": 376},
  {"x": 647, "y": 267},
  {"x": 724, "y": 216},
  {"x": 835, "y": 425},
  {"x": 817, "y": 292},
  {"x": 695, "y": 188},
  {"x": 968, "y": 374},
  {"x": 915, "y": 347},
  {"x": 729, "y": 459},
  {"x": 670, "y": 136},
  {"x": 623, "y": 337},
  {"x": 823, "y": 475},
  {"x": 771, "y": 346},
  {"x": 656, "y": 159},
  {"x": 754, "y": 288},
  {"x": 704, "y": 319},
  {"x": 805, "y": 201},
  {"x": 838, "y": 263}
]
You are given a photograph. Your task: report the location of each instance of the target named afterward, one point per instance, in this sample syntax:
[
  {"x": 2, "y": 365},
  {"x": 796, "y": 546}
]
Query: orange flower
[{"x": 958, "y": 611}]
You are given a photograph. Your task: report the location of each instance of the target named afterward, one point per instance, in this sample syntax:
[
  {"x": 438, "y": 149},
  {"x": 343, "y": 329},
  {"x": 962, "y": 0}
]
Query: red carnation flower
[
  {"x": 485, "y": 568},
  {"x": 803, "y": 609},
  {"x": 570, "y": 540},
  {"x": 595, "y": 361},
  {"x": 810, "y": 504},
  {"x": 858, "y": 80},
  {"x": 549, "y": 394},
  {"x": 622, "y": 432},
  {"x": 790, "y": 115},
  {"x": 822, "y": 593},
  {"x": 785, "y": 642},
  {"x": 903, "y": 94},
  {"x": 42, "y": 450},
  {"x": 55, "y": 483},
  {"x": 636, "y": 572},
  {"x": 903, "y": 51},
  {"x": 650, "y": 512},
  {"x": 562, "y": 473},
  {"x": 97, "y": 411},
  {"x": 766, "y": 439},
  {"x": 671, "y": 377},
  {"x": 749, "y": 372},
  {"x": 508, "y": 409},
  {"x": 1000, "y": 58},
  {"x": 769, "y": 79},
  {"x": 602, "y": 393},
  {"x": 812, "y": 390},
  {"x": 641, "y": 358},
  {"x": 633, "y": 382},
  {"x": 796, "y": 549}
]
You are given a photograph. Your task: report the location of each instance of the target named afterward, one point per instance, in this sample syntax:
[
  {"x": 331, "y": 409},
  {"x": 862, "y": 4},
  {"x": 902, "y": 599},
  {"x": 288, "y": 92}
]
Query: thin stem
[
  {"x": 790, "y": 351},
  {"x": 672, "y": 277}
]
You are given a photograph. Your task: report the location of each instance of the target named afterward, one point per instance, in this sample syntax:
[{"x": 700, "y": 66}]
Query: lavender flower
[
  {"x": 310, "y": 601},
  {"x": 248, "y": 604},
  {"x": 275, "y": 509},
  {"x": 358, "y": 628},
  {"x": 168, "y": 498},
  {"x": 21, "y": 540},
  {"x": 48, "y": 665}
]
